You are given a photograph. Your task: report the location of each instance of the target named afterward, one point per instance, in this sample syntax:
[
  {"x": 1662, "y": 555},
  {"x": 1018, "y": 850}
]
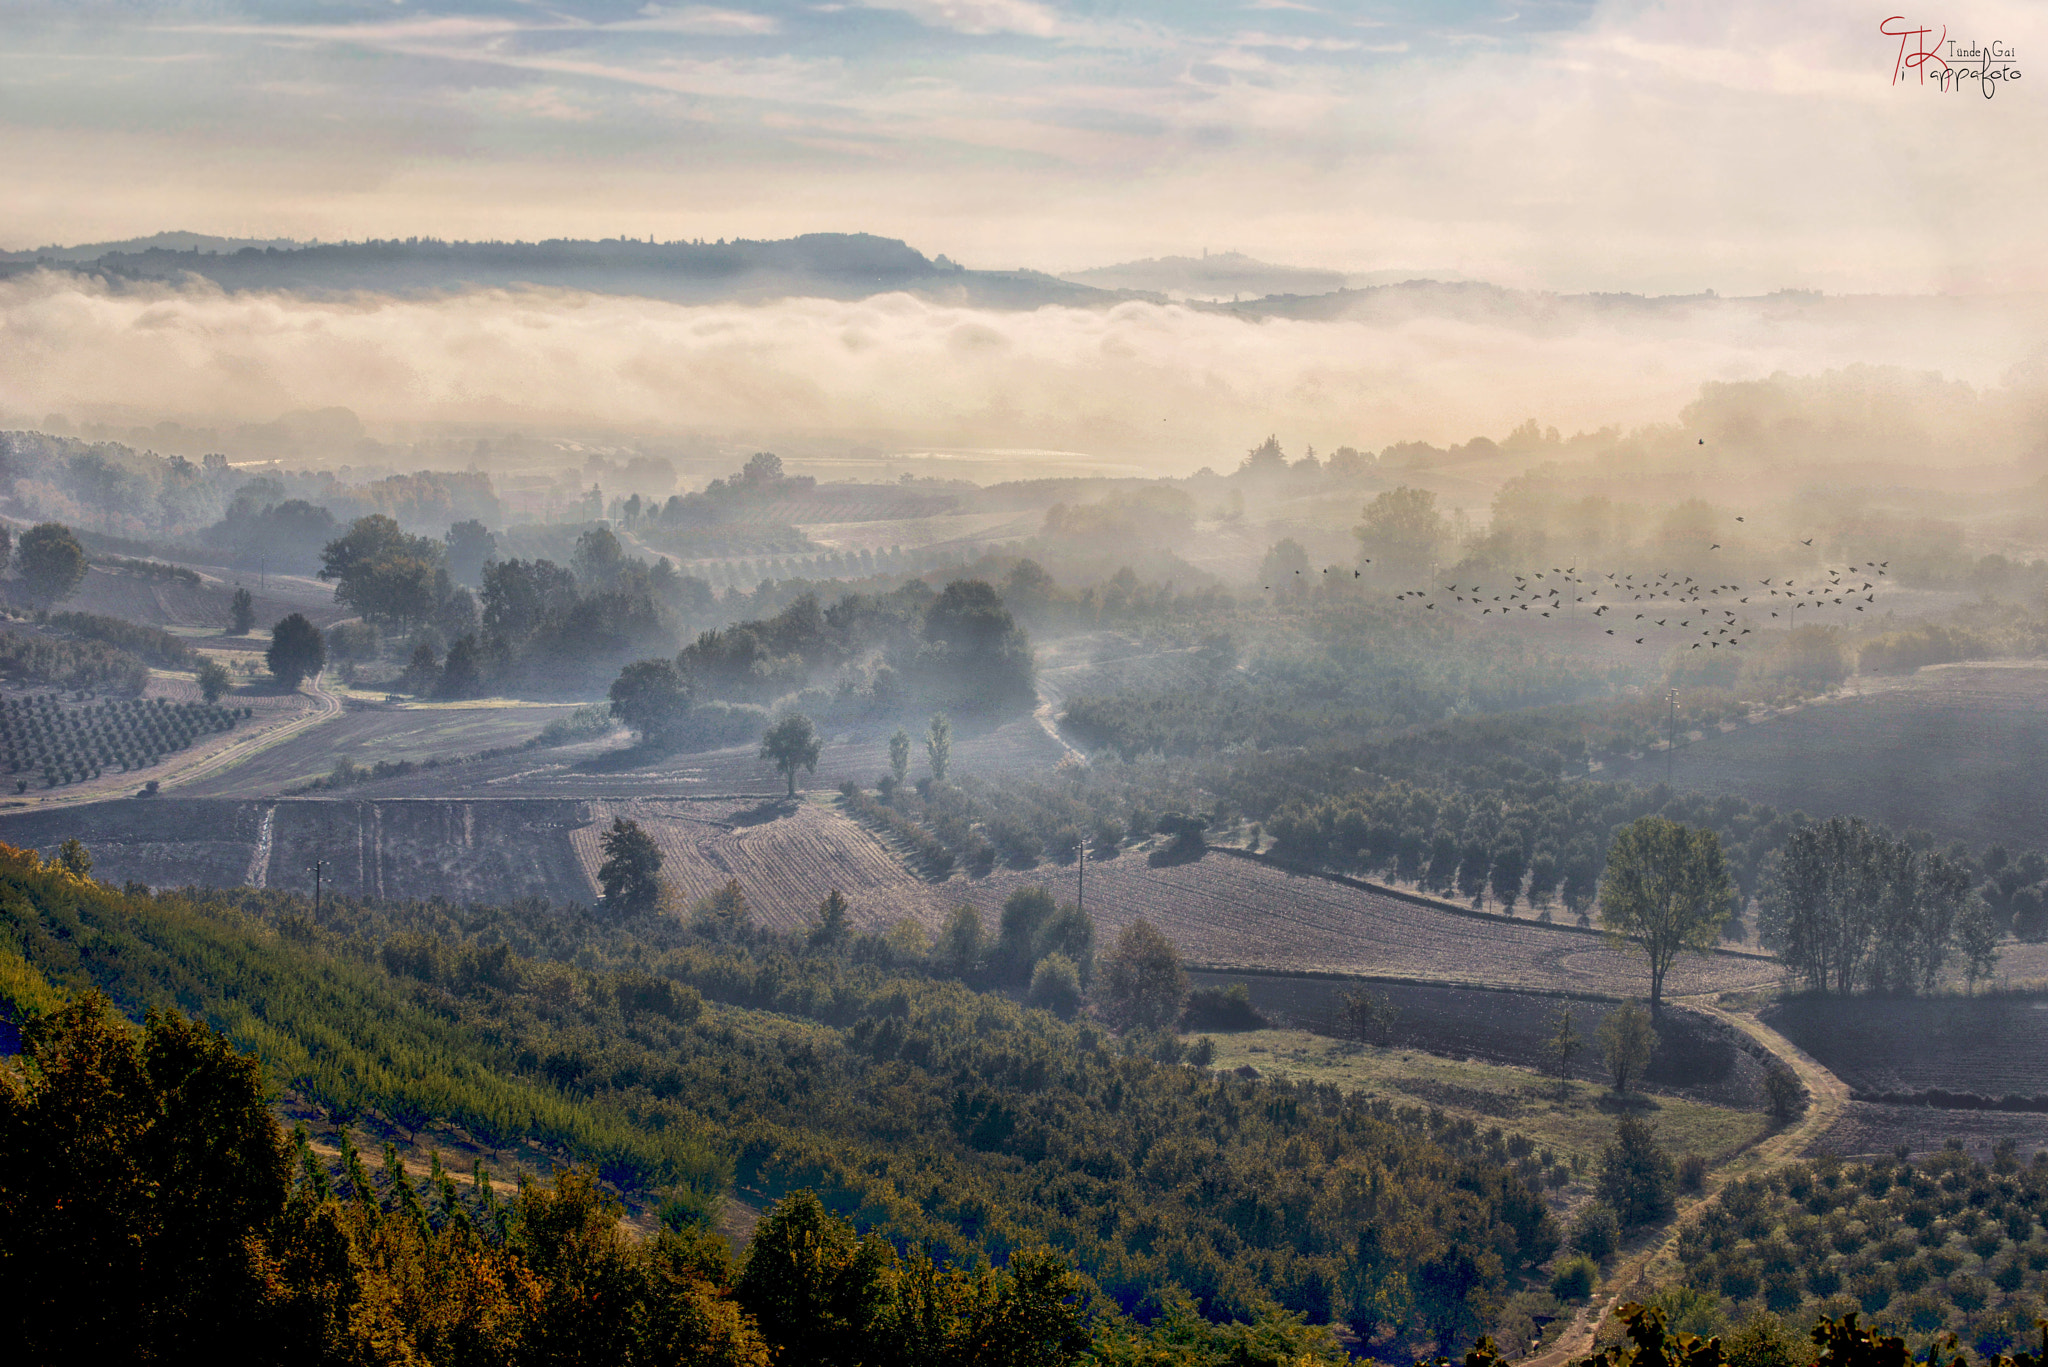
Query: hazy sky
[{"x": 1637, "y": 146}]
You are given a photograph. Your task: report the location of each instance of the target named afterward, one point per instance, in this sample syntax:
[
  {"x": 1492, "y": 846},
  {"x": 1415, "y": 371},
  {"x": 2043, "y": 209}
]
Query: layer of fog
[{"x": 1165, "y": 386}]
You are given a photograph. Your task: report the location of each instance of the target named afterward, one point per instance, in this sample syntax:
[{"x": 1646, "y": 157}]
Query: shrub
[
  {"x": 1597, "y": 1232},
  {"x": 1056, "y": 987},
  {"x": 1222, "y": 1008},
  {"x": 1575, "y": 1278},
  {"x": 1692, "y": 1173}
]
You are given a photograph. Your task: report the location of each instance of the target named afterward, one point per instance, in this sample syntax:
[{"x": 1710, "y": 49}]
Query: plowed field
[
  {"x": 1242, "y": 913},
  {"x": 786, "y": 856}
]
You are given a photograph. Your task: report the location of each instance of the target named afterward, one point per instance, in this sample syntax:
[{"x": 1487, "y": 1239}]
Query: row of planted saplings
[{"x": 68, "y": 746}]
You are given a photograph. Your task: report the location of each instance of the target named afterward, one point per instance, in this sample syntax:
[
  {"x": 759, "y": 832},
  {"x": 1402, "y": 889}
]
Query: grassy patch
[{"x": 1579, "y": 1122}]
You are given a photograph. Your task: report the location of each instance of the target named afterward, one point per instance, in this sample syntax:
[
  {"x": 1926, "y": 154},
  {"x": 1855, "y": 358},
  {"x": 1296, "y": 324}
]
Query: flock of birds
[{"x": 1656, "y": 604}]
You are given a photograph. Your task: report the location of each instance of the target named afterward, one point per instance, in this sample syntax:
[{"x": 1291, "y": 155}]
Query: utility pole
[
  {"x": 315, "y": 868},
  {"x": 1670, "y": 733},
  {"x": 1081, "y": 876}
]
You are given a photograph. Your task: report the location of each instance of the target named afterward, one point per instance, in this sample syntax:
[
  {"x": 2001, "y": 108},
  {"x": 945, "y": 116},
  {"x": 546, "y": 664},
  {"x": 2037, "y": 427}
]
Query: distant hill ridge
[{"x": 830, "y": 265}]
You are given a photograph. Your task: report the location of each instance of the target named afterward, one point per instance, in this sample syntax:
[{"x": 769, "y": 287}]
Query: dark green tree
[
  {"x": 835, "y": 925},
  {"x": 470, "y": 546},
  {"x": 51, "y": 561},
  {"x": 791, "y": 744},
  {"x": 462, "y": 674},
  {"x": 1637, "y": 1177},
  {"x": 214, "y": 680},
  {"x": 1142, "y": 982},
  {"x": 652, "y": 697},
  {"x": 73, "y": 855},
  {"x": 938, "y": 746},
  {"x": 296, "y": 651},
  {"x": 819, "y": 1291},
  {"x": 241, "y": 613},
  {"x": 1666, "y": 891},
  {"x": 631, "y": 872}
]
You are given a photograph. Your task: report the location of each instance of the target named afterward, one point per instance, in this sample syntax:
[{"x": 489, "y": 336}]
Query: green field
[{"x": 1580, "y": 1123}]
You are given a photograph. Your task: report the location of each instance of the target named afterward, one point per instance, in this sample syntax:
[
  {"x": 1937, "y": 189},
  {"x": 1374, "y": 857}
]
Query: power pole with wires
[
  {"x": 1670, "y": 733},
  {"x": 316, "y": 868}
]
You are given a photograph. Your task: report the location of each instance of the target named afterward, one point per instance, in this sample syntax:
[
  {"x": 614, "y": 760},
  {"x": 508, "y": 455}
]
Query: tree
[
  {"x": 652, "y": 697},
  {"x": 1628, "y": 1041},
  {"x": 986, "y": 656},
  {"x": 899, "y": 756},
  {"x": 75, "y": 857},
  {"x": 1637, "y": 1178},
  {"x": 241, "y": 613},
  {"x": 630, "y": 873},
  {"x": 1562, "y": 1046},
  {"x": 470, "y": 546},
  {"x": 1367, "y": 1016},
  {"x": 385, "y": 573},
  {"x": 792, "y": 744},
  {"x": 1510, "y": 860},
  {"x": 296, "y": 651},
  {"x": 1142, "y": 982},
  {"x": 938, "y": 746},
  {"x": 1666, "y": 889},
  {"x": 599, "y": 559},
  {"x": 1055, "y": 986},
  {"x": 1402, "y": 533},
  {"x": 423, "y": 670},
  {"x": 959, "y": 949},
  {"x": 1847, "y": 906},
  {"x": 1025, "y": 914},
  {"x": 51, "y": 561},
  {"x": 462, "y": 674},
  {"x": 819, "y": 1291},
  {"x": 213, "y": 679},
  {"x": 143, "y": 1172},
  {"x": 835, "y": 926}
]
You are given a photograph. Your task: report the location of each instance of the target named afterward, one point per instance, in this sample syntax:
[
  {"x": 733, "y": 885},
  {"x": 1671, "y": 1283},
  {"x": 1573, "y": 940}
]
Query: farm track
[
  {"x": 1828, "y": 1098},
  {"x": 185, "y": 767}
]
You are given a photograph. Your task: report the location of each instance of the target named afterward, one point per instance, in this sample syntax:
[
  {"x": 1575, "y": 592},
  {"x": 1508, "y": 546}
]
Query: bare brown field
[
  {"x": 1867, "y": 1130},
  {"x": 1239, "y": 913},
  {"x": 1989, "y": 1045},
  {"x": 160, "y": 841},
  {"x": 466, "y": 851},
  {"x": 786, "y": 856},
  {"x": 1951, "y": 749},
  {"x": 169, "y": 603}
]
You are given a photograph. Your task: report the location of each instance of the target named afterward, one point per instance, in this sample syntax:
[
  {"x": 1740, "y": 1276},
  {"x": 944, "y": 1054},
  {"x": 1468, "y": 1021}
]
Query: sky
[{"x": 1555, "y": 144}]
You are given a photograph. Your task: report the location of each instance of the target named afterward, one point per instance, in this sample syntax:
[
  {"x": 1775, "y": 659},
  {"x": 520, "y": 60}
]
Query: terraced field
[
  {"x": 786, "y": 855},
  {"x": 1230, "y": 912}
]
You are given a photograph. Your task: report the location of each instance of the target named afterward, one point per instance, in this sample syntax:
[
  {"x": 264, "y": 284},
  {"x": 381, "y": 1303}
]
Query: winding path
[{"x": 1827, "y": 1095}]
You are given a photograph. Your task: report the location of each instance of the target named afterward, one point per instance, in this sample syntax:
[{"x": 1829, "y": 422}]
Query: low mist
[{"x": 1165, "y": 387}]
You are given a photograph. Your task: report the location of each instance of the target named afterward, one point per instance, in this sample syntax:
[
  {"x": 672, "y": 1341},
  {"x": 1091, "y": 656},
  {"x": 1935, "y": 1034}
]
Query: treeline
[
  {"x": 936, "y": 1116},
  {"x": 909, "y": 650},
  {"x": 158, "y": 647},
  {"x": 52, "y": 662},
  {"x": 1847, "y": 906}
]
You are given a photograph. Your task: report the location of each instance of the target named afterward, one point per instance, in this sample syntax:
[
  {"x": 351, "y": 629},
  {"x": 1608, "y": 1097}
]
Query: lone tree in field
[
  {"x": 296, "y": 651},
  {"x": 938, "y": 746},
  {"x": 1666, "y": 889},
  {"x": 1143, "y": 983},
  {"x": 630, "y": 873},
  {"x": 51, "y": 562},
  {"x": 792, "y": 744},
  {"x": 241, "y": 613},
  {"x": 214, "y": 680},
  {"x": 652, "y": 697},
  {"x": 899, "y": 756},
  {"x": 1562, "y": 1046},
  {"x": 1628, "y": 1040}
]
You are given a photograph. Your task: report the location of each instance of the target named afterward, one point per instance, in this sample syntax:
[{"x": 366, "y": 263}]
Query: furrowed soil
[
  {"x": 1229, "y": 912},
  {"x": 1952, "y": 749},
  {"x": 1989, "y": 1045}
]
